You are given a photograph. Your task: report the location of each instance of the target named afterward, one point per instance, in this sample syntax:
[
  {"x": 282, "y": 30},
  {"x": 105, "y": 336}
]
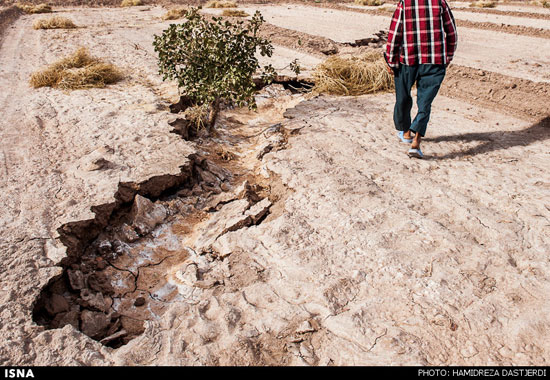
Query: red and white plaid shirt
[{"x": 421, "y": 31}]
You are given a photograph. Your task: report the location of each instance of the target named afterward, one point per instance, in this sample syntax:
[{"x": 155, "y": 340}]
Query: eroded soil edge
[{"x": 155, "y": 245}]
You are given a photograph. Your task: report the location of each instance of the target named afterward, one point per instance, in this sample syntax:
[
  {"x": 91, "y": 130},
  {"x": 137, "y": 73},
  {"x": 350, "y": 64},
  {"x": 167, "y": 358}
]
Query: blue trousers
[{"x": 428, "y": 79}]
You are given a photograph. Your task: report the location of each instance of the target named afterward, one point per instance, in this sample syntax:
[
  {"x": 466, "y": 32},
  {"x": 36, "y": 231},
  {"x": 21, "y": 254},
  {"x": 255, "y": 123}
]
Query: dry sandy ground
[
  {"x": 500, "y": 7},
  {"x": 319, "y": 21},
  {"x": 501, "y": 19},
  {"x": 365, "y": 256},
  {"x": 519, "y": 56},
  {"x": 525, "y": 8}
]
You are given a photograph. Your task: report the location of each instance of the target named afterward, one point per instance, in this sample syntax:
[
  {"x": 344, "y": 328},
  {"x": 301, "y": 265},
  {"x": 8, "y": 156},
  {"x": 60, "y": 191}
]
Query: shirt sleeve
[
  {"x": 395, "y": 37},
  {"x": 451, "y": 36}
]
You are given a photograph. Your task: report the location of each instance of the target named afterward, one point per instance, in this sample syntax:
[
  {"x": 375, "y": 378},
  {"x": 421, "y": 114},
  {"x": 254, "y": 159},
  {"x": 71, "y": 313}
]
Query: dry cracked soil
[{"x": 299, "y": 234}]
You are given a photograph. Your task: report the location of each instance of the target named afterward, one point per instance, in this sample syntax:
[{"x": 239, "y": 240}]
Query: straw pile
[
  {"x": 77, "y": 71},
  {"x": 131, "y": 3},
  {"x": 197, "y": 115},
  {"x": 353, "y": 76},
  {"x": 483, "y": 4},
  {"x": 234, "y": 13},
  {"x": 369, "y": 2},
  {"x": 54, "y": 23},
  {"x": 29, "y": 8},
  {"x": 174, "y": 14},
  {"x": 220, "y": 4}
]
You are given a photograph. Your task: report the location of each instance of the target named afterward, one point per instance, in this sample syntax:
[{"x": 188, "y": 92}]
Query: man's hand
[{"x": 389, "y": 69}]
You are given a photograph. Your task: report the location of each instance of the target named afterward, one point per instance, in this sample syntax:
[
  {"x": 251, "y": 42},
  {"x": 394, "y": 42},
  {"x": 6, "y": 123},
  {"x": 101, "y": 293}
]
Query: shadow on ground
[{"x": 493, "y": 141}]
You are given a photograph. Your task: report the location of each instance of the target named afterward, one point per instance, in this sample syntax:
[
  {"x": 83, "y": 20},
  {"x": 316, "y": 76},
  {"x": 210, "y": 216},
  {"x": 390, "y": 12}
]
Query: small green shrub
[{"x": 214, "y": 60}]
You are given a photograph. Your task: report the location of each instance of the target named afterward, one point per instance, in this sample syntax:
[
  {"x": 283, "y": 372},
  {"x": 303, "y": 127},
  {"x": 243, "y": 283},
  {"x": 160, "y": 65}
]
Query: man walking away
[{"x": 421, "y": 43}]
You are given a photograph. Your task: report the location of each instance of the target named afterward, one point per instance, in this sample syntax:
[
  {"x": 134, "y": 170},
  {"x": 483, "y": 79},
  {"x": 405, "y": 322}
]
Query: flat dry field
[{"x": 298, "y": 234}]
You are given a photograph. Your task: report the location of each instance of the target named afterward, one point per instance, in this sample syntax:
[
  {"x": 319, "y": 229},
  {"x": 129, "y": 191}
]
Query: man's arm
[
  {"x": 451, "y": 36},
  {"x": 395, "y": 38}
]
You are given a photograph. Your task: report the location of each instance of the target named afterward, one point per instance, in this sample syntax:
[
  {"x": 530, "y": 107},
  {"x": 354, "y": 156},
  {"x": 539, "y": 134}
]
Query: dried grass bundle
[
  {"x": 483, "y": 4},
  {"x": 131, "y": 3},
  {"x": 369, "y": 2},
  {"x": 220, "y": 4},
  {"x": 360, "y": 75},
  {"x": 29, "y": 8},
  {"x": 174, "y": 14},
  {"x": 77, "y": 71},
  {"x": 234, "y": 13},
  {"x": 197, "y": 115},
  {"x": 54, "y": 23}
]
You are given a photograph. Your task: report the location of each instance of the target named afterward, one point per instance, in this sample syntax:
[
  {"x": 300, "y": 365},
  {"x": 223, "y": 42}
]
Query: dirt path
[
  {"x": 542, "y": 22},
  {"x": 520, "y": 29},
  {"x": 435, "y": 266},
  {"x": 463, "y": 10},
  {"x": 62, "y": 153},
  {"x": 478, "y": 48},
  {"x": 503, "y": 93},
  {"x": 28, "y": 176},
  {"x": 481, "y": 49},
  {"x": 50, "y": 146},
  {"x": 319, "y": 21},
  {"x": 520, "y": 10}
]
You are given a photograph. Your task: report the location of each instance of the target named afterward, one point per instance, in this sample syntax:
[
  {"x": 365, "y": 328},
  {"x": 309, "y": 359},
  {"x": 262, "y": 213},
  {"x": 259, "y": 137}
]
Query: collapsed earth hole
[
  {"x": 380, "y": 39},
  {"x": 293, "y": 84},
  {"x": 116, "y": 275}
]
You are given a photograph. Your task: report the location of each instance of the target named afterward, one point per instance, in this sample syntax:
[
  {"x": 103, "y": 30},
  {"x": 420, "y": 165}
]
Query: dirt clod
[{"x": 140, "y": 301}]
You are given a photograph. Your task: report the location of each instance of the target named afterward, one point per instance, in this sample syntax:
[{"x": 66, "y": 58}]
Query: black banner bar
[{"x": 159, "y": 372}]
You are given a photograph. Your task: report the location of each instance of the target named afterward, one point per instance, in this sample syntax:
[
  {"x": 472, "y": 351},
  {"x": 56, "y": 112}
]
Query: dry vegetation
[
  {"x": 77, "y": 71},
  {"x": 30, "y": 8},
  {"x": 369, "y": 2},
  {"x": 174, "y": 14},
  {"x": 131, "y": 3},
  {"x": 483, "y": 4},
  {"x": 353, "y": 76},
  {"x": 234, "y": 13},
  {"x": 54, "y": 23},
  {"x": 197, "y": 115},
  {"x": 545, "y": 4},
  {"x": 221, "y": 4}
]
